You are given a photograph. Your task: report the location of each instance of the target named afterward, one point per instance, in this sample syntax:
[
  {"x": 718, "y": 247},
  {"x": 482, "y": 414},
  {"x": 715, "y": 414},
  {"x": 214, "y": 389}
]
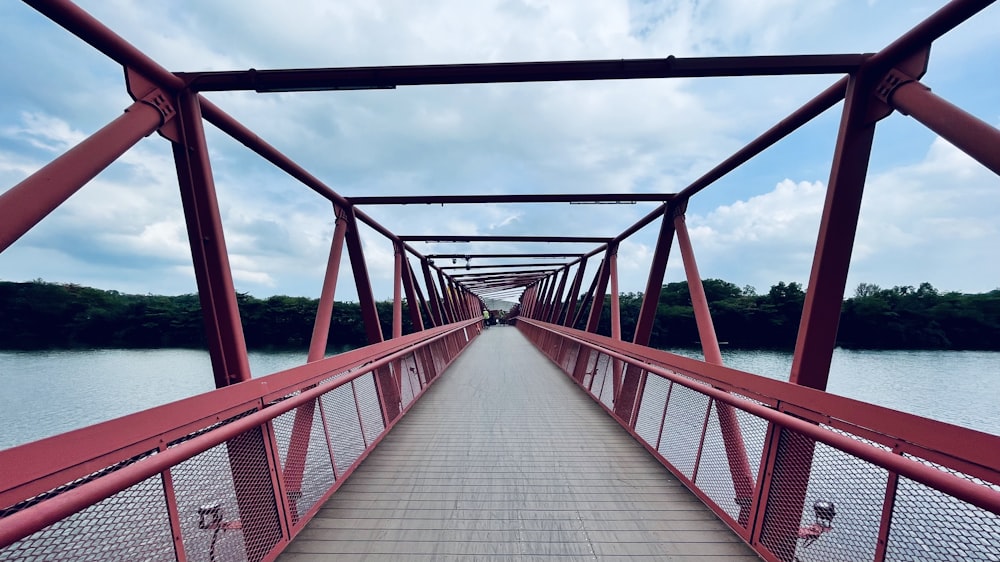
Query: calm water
[{"x": 46, "y": 393}]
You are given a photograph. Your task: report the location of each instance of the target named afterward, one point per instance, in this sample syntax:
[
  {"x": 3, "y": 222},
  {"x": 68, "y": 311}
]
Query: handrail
[
  {"x": 34, "y": 518},
  {"x": 954, "y": 475}
]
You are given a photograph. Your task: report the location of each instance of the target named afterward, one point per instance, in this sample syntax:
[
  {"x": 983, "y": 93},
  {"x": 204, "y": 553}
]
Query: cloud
[
  {"x": 592, "y": 137},
  {"x": 909, "y": 230}
]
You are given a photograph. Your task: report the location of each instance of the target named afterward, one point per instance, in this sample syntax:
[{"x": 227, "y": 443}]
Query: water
[
  {"x": 958, "y": 387},
  {"x": 45, "y": 393},
  {"x": 50, "y": 392}
]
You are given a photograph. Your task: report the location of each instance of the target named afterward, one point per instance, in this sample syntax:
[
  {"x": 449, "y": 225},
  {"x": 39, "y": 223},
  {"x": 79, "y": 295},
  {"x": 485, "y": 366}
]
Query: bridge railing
[
  {"x": 232, "y": 474},
  {"x": 877, "y": 484}
]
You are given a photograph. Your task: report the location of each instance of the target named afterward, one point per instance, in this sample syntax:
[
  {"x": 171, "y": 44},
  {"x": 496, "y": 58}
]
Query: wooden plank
[{"x": 503, "y": 459}]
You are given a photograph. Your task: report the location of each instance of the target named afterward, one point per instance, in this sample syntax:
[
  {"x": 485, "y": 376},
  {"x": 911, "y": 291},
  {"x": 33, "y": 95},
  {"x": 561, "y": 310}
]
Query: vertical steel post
[
  {"x": 529, "y": 299},
  {"x": 256, "y": 494},
  {"x": 821, "y": 310},
  {"x": 588, "y": 296},
  {"x": 388, "y": 391},
  {"x": 366, "y": 298},
  {"x": 732, "y": 437},
  {"x": 223, "y": 329},
  {"x": 574, "y": 296},
  {"x": 543, "y": 297},
  {"x": 600, "y": 290},
  {"x": 654, "y": 282},
  {"x": 432, "y": 294},
  {"x": 627, "y": 405},
  {"x": 298, "y": 443},
  {"x": 397, "y": 290},
  {"x": 616, "y": 325},
  {"x": 446, "y": 307},
  {"x": 414, "y": 298},
  {"x": 558, "y": 303},
  {"x": 616, "y": 318},
  {"x": 324, "y": 312}
]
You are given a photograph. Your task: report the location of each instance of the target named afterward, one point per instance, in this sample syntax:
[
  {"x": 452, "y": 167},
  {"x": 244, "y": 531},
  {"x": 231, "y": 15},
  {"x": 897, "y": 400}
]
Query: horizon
[{"x": 848, "y": 294}]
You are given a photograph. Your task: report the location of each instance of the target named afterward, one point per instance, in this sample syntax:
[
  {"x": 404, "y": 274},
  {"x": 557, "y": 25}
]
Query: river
[{"x": 46, "y": 393}]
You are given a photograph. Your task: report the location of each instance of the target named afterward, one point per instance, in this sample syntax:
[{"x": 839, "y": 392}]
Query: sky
[{"x": 929, "y": 212}]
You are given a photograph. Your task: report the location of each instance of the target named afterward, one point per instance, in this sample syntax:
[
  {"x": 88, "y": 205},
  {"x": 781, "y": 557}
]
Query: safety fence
[
  {"x": 799, "y": 474},
  {"x": 231, "y": 474}
]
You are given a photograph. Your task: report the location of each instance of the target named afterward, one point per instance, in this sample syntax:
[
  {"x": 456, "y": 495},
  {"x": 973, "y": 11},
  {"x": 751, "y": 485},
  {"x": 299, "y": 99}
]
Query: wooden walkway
[{"x": 504, "y": 459}]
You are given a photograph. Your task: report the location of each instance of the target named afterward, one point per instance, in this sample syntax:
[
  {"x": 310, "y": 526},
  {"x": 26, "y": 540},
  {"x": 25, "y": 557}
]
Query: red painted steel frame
[
  {"x": 802, "y": 410},
  {"x": 224, "y": 330},
  {"x": 888, "y": 76},
  {"x": 732, "y": 437},
  {"x": 91, "y": 449}
]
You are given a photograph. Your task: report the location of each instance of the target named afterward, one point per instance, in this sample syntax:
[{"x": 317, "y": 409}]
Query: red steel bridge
[{"x": 453, "y": 441}]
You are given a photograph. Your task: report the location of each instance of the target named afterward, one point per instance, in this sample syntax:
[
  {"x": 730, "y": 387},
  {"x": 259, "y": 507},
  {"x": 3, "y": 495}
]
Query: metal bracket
[
  {"x": 909, "y": 70},
  {"x": 892, "y": 82},
  {"x": 150, "y": 94}
]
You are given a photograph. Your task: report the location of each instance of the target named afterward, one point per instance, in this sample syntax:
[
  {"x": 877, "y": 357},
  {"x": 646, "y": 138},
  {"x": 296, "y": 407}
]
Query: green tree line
[
  {"x": 902, "y": 317},
  {"x": 40, "y": 315}
]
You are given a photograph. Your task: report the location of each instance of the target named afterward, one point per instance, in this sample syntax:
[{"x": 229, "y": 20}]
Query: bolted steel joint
[{"x": 890, "y": 83}]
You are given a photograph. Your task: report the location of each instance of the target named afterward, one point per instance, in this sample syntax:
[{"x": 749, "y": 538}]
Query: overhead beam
[
  {"x": 445, "y": 238},
  {"x": 511, "y": 198},
  {"x": 388, "y": 77},
  {"x": 501, "y": 256}
]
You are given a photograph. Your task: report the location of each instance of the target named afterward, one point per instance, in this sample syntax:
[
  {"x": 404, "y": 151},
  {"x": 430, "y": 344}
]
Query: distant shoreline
[{"x": 48, "y": 316}]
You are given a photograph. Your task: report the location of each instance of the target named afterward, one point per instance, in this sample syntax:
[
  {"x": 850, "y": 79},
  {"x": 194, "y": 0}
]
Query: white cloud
[{"x": 514, "y": 138}]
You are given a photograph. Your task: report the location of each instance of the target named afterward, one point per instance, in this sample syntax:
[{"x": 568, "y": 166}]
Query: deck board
[{"x": 505, "y": 459}]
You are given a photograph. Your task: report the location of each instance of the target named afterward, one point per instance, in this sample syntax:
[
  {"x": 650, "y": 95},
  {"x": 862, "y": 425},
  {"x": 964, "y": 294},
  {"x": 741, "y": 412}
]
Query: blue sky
[{"x": 929, "y": 212}]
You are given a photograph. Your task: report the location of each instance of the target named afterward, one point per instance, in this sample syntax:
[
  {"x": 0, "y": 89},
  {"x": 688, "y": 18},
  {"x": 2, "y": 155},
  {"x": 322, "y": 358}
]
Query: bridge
[{"x": 537, "y": 439}]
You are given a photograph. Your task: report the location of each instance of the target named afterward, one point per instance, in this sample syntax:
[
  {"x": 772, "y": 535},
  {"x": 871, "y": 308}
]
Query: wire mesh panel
[
  {"x": 793, "y": 526},
  {"x": 715, "y": 475},
  {"x": 368, "y": 404},
  {"x": 343, "y": 425},
  {"x": 612, "y": 373},
  {"x": 570, "y": 352},
  {"x": 225, "y": 501},
  {"x": 654, "y": 402},
  {"x": 928, "y": 524},
  {"x": 130, "y": 525},
  {"x": 683, "y": 427},
  {"x": 305, "y": 457},
  {"x": 409, "y": 379},
  {"x": 590, "y": 356},
  {"x": 600, "y": 372}
]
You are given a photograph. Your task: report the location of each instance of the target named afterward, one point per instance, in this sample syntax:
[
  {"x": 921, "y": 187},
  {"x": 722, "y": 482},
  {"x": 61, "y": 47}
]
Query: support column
[
  {"x": 223, "y": 330},
  {"x": 789, "y": 478},
  {"x": 732, "y": 437},
  {"x": 248, "y": 452},
  {"x": 432, "y": 294},
  {"x": 388, "y": 388},
  {"x": 557, "y": 303},
  {"x": 571, "y": 299},
  {"x": 414, "y": 298},
  {"x": 324, "y": 312},
  {"x": 397, "y": 290},
  {"x": 589, "y": 296},
  {"x": 657, "y": 270},
  {"x": 298, "y": 443},
  {"x": 448, "y": 307},
  {"x": 626, "y": 407},
  {"x": 601, "y": 289},
  {"x": 825, "y": 293}
]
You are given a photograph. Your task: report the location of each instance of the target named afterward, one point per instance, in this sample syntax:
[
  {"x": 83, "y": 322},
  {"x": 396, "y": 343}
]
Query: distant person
[{"x": 486, "y": 318}]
